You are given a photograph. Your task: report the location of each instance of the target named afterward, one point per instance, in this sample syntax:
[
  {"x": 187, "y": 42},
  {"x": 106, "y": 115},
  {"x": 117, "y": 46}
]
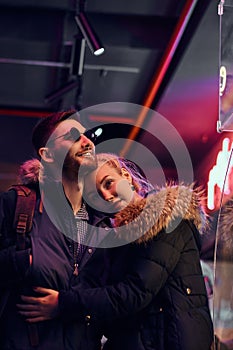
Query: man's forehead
[{"x": 67, "y": 124}]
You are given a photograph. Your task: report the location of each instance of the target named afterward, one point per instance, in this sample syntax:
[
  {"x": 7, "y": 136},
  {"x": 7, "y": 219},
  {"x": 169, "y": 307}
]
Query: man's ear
[
  {"x": 46, "y": 154},
  {"x": 126, "y": 175}
]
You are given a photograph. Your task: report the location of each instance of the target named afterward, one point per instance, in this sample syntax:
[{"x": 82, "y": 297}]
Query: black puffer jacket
[{"x": 155, "y": 298}]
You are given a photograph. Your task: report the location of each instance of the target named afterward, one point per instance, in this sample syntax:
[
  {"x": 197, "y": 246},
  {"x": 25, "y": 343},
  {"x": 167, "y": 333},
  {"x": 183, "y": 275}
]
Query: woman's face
[{"x": 108, "y": 190}]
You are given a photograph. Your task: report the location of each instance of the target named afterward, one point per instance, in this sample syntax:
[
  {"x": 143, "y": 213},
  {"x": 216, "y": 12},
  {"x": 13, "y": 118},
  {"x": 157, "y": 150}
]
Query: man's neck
[{"x": 74, "y": 192}]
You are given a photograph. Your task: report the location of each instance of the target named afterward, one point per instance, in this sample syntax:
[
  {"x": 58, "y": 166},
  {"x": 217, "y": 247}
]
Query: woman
[{"x": 154, "y": 296}]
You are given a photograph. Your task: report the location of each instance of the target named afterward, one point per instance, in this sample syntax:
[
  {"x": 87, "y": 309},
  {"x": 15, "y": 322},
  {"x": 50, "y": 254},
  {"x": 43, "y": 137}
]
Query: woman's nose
[{"x": 107, "y": 196}]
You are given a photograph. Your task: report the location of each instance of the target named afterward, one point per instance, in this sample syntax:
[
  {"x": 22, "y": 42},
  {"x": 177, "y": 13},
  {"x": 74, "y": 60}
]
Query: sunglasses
[{"x": 74, "y": 135}]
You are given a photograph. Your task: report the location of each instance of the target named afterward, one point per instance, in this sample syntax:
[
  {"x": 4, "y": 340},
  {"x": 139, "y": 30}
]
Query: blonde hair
[{"x": 141, "y": 184}]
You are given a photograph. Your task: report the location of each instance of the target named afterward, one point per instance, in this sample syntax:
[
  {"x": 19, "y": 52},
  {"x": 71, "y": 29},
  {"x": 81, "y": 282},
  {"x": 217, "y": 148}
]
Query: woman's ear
[
  {"x": 126, "y": 175},
  {"x": 46, "y": 154}
]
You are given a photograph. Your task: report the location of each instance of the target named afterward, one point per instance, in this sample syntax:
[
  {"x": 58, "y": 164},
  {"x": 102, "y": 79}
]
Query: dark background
[{"x": 138, "y": 37}]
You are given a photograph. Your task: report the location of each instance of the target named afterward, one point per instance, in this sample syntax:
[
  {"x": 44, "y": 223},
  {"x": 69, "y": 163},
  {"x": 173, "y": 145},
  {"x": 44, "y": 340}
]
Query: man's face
[{"x": 73, "y": 155}]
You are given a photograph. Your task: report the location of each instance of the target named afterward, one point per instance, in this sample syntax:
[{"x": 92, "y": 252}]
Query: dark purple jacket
[{"x": 53, "y": 264}]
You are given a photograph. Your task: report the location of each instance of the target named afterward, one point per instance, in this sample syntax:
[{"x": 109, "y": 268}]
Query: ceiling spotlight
[
  {"x": 77, "y": 58},
  {"x": 89, "y": 34}
]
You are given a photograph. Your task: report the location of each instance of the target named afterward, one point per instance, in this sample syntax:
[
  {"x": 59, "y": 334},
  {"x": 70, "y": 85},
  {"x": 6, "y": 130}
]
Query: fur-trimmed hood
[
  {"x": 29, "y": 172},
  {"x": 165, "y": 209}
]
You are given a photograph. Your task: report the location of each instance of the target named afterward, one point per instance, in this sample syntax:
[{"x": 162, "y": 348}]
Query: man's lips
[{"x": 87, "y": 154}]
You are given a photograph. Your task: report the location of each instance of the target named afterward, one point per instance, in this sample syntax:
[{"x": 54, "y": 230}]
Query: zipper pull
[{"x": 75, "y": 272}]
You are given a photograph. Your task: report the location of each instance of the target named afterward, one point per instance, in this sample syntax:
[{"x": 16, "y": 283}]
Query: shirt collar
[{"x": 82, "y": 214}]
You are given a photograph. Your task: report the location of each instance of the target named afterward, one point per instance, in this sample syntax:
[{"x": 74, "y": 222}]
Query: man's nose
[{"x": 86, "y": 141}]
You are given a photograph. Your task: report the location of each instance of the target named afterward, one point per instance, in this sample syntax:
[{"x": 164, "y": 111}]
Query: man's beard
[{"x": 74, "y": 170}]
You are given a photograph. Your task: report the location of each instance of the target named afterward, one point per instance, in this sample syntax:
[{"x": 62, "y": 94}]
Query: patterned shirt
[{"x": 81, "y": 219}]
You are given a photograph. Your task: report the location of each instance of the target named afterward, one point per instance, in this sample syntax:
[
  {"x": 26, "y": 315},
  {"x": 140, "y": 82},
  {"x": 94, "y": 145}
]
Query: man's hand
[{"x": 41, "y": 308}]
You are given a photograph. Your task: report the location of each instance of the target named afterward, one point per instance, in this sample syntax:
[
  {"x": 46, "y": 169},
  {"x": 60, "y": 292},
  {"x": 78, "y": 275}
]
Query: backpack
[
  {"x": 24, "y": 211},
  {"x": 22, "y": 224}
]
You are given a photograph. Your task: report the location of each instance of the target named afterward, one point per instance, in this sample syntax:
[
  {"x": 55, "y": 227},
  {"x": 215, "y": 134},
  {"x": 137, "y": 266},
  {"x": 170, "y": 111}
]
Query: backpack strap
[{"x": 24, "y": 211}]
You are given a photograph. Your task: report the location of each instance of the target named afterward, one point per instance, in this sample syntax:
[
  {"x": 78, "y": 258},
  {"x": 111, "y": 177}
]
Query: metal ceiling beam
[
  {"x": 42, "y": 4},
  {"x": 123, "y": 69}
]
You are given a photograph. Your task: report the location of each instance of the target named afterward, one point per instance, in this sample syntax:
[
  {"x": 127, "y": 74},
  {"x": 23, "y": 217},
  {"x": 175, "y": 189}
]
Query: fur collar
[
  {"x": 29, "y": 172},
  {"x": 144, "y": 219}
]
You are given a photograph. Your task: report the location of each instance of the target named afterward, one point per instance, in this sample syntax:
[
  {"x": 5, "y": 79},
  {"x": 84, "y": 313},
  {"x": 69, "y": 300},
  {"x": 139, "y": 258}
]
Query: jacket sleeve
[
  {"x": 149, "y": 270},
  {"x": 14, "y": 264}
]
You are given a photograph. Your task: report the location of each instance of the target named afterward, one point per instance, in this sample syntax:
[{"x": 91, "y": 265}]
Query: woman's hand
[{"x": 41, "y": 308}]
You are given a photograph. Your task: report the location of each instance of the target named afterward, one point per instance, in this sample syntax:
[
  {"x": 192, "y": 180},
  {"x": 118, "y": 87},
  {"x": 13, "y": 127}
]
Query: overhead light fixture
[
  {"x": 77, "y": 58},
  {"x": 89, "y": 34}
]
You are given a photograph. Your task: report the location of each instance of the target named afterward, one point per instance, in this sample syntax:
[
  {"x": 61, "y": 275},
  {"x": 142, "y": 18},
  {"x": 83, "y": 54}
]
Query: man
[{"x": 53, "y": 256}]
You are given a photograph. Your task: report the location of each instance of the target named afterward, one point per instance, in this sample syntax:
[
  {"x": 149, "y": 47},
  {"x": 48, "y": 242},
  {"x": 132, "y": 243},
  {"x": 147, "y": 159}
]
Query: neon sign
[
  {"x": 223, "y": 80},
  {"x": 219, "y": 174}
]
